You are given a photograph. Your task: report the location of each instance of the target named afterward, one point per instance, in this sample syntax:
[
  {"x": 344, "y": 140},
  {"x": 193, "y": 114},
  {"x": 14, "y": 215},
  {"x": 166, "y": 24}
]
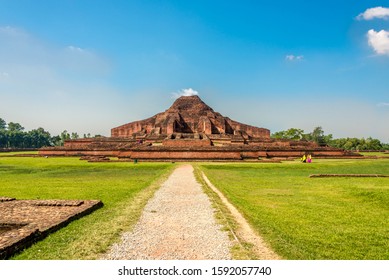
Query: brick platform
[
  {"x": 23, "y": 222},
  {"x": 191, "y": 130}
]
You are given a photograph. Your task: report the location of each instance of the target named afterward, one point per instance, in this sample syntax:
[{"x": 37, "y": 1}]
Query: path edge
[
  {"x": 136, "y": 209},
  {"x": 243, "y": 233}
]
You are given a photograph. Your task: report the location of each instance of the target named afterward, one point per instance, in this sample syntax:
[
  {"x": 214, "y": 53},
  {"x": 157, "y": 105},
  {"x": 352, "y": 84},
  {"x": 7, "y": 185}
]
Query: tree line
[
  {"x": 13, "y": 136},
  {"x": 318, "y": 135}
]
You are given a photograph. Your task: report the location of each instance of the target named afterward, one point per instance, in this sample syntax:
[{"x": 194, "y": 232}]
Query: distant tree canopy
[
  {"x": 3, "y": 124},
  {"x": 361, "y": 144},
  {"x": 291, "y": 134},
  {"x": 12, "y": 135},
  {"x": 319, "y": 137}
]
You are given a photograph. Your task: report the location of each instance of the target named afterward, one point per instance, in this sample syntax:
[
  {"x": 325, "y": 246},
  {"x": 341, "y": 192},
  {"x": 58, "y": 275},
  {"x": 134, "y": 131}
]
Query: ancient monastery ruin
[{"x": 190, "y": 130}]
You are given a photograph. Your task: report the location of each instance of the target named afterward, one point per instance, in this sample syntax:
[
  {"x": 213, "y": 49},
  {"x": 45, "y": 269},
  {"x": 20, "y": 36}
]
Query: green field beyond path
[
  {"x": 312, "y": 218},
  {"x": 122, "y": 187},
  {"x": 301, "y": 217}
]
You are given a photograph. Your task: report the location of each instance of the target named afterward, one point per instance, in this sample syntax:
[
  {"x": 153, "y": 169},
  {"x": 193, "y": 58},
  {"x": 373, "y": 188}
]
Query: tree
[
  {"x": 3, "y": 138},
  {"x": 39, "y": 138},
  {"x": 56, "y": 140},
  {"x": 3, "y": 124},
  {"x": 15, "y": 138},
  {"x": 64, "y": 136},
  {"x": 318, "y": 135},
  {"x": 294, "y": 133},
  {"x": 373, "y": 144},
  {"x": 3, "y": 134},
  {"x": 75, "y": 135},
  {"x": 15, "y": 127},
  {"x": 290, "y": 134},
  {"x": 361, "y": 144}
]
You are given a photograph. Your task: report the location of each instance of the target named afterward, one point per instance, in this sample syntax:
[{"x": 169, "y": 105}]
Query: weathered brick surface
[
  {"x": 23, "y": 222},
  {"x": 188, "y": 114},
  {"x": 186, "y": 143},
  {"x": 65, "y": 152},
  {"x": 188, "y": 155}
]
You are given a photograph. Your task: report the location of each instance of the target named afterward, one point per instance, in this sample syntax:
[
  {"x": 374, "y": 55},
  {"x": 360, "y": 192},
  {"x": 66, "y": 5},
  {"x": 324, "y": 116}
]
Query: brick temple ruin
[
  {"x": 23, "y": 222},
  {"x": 190, "y": 130}
]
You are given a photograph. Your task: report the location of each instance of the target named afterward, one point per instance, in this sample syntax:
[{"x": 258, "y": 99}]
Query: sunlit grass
[
  {"x": 379, "y": 154},
  {"x": 122, "y": 187},
  {"x": 18, "y": 153},
  {"x": 312, "y": 218}
]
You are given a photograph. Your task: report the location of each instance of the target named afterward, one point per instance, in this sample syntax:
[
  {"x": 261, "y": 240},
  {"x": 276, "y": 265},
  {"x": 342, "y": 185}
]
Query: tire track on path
[{"x": 245, "y": 231}]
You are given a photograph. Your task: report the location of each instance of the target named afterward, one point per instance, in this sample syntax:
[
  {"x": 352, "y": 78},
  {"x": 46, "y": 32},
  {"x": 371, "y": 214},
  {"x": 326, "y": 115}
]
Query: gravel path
[{"x": 176, "y": 224}]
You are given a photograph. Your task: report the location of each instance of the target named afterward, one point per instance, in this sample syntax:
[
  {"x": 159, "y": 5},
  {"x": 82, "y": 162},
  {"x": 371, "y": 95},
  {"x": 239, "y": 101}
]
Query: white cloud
[
  {"x": 383, "y": 104},
  {"x": 4, "y": 75},
  {"x": 379, "y": 41},
  {"x": 12, "y": 31},
  {"x": 75, "y": 49},
  {"x": 185, "y": 92},
  {"x": 292, "y": 57},
  {"x": 377, "y": 12}
]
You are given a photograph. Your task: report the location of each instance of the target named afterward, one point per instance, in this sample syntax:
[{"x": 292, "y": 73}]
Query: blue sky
[{"x": 88, "y": 66}]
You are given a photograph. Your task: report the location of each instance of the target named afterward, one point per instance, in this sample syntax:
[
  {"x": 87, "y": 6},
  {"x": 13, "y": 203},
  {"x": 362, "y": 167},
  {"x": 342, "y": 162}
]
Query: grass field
[
  {"x": 5, "y": 154},
  {"x": 301, "y": 217},
  {"x": 312, "y": 218},
  {"x": 379, "y": 154},
  {"x": 124, "y": 189}
]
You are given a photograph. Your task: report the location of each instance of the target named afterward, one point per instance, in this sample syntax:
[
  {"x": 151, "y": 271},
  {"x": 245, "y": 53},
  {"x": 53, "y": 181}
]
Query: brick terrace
[{"x": 22, "y": 222}]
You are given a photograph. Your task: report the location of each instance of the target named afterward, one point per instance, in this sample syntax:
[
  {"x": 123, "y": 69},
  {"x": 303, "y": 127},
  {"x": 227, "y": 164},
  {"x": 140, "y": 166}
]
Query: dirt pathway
[
  {"x": 245, "y": 231},
  {"x": 176, "y": 224}
]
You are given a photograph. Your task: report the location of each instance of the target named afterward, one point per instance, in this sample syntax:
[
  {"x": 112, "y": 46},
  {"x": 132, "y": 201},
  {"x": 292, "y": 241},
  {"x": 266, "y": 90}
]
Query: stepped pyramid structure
[
  {"x": 190, "y": 130},
  {"x": 189, "y": 117}
]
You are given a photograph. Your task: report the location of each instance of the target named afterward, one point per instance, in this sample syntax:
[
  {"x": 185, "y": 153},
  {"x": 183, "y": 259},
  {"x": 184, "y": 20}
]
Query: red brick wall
[
  {"x": 186, "y": 143},
  {"x": 203, "y": 155},
  {"x": 78, "y": 153},
  {"x": 77, "y": 144}
]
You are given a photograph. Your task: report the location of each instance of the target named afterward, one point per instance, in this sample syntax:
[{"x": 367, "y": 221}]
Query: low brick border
[
  {"x": 347, "y": 175},
  {"x": 25, "y": 223}
]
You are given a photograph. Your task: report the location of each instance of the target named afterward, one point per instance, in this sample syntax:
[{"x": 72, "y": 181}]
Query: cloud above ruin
[
  {"x": 185, "y": 92},
  {"x": 292, "y": 57},
  {"x": 379, "y": 41},
  {"x": 4, "y": 75},
  {"x": 373, "y": 13}
]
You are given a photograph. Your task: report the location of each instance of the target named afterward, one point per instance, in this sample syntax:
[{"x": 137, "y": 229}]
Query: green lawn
[
  {"x": 312, "y": 218},
  {"x": 379, "y": 154},
  {"x": 122, "y": 187},
  {"x": 5, "y": 154},
  {"x": 301, "y": 217}
]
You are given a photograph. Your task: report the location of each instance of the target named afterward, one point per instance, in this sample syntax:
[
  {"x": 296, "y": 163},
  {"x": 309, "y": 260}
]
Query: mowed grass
[
  {"x": 6, "y": 154},
  {"x": 312, "y": 218},
  {"x": 124, "y": 188},
  {"x": 379, "y": 154}
]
